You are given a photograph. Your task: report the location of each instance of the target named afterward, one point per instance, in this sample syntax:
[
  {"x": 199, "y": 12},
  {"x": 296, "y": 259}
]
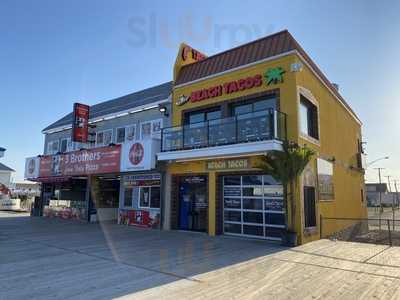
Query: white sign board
[
  {"x": 32, "y": 165},
  {"x": 139, "y": 155}
]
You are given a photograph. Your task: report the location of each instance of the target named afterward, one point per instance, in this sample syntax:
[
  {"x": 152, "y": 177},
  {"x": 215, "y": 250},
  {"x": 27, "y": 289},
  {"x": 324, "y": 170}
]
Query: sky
[{"x": 55, "y": 53}]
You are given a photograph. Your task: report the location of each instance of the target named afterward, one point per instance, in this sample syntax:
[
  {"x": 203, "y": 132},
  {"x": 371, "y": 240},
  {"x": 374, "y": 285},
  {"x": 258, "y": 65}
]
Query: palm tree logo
[{"x": 274, "y": 75}]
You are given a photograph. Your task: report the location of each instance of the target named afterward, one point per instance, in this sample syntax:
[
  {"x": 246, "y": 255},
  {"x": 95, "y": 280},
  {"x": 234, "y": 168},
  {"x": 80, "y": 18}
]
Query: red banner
[
  {"x": 80, "y": 123},
  {"x": 83, "y": 162}
]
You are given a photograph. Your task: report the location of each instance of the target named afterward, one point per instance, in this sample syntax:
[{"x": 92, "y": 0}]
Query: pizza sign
[
  {"x": 136, "y": 154},
  {"x": 139, "y": 155}
]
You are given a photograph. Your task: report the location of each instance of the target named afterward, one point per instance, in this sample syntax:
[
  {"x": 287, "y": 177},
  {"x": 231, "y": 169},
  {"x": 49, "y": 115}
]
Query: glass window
[
  {"x": 55, "y": 146},
  {"x": 253, "y": 230},
  {"x": 232, "y": 203},
  {"x": 252, "y": 203},
  {"x": 107, "y": 137},
  {"x": 274, "y": 232},
  {"x": 303, "y": 118},
  {"x": 156, "y": 128},
  {"x": 274, "y": 219},
  {"x": 273, "y": 204},
  {"x": 253, "y": 191},
  {"x": 145, "y": 130},
  {"x": 64, "y": 145},
  {"x": 256, "y": 202},
  {"x": 308, "y": 118},
  {"x": 155, "y": 197},
  {"x": 242, "y": 109},
  {"x": 144, "y": 197},
  {"x": 233, "y": 216},
  {"x": 196, "y": 118},
  {"x": 149, "y": 197},
  {"x": 233, "y": 228},
  {"x": 104, "y": 138},
  {"x": 252, "y": 180},
  {"x": 121, "y": 135},
  {"x": 131, "y": 132},
  {"x": 269, "y": 180},
  {"x": 232, "y": 180},
  {"x": 100, "y": 138},
  {"x": 262, "y": 105},
  {"x": 230, "y": 191},
  {"x": 128, "y": 197},
  {"x": 252, "y": 217},
  {"x": 212, "y": 115}
]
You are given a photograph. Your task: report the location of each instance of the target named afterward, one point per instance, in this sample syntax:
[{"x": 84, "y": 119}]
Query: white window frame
[
  {"x": 116, "y": 134},
  {"x": 103, "y": 131},
  {"x": 152, "y": 133},
  {"x": 50, "y": 146},
  {"x": 69, "y": 144},
  {"x": 158, "y": 133},
  {"x": 135, "y": 137},
  {"x": 141, "y": 129},
  {"x": 150, "y": 187},
  {"x": 301, "y": 91},
  {"x": 242, "y": 210}
]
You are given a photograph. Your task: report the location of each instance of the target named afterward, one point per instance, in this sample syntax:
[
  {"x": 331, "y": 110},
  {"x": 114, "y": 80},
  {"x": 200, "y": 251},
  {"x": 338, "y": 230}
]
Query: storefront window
[
  {"x": 155, "y": 197},
  {"x": 232, "y": 180},
  {"x": 128, "y": 197},
  {"x": 65, "y": 200},
  {"x": 252, "y": 180},
  {"x": 253, "y": 206},
  {"x": 149, "y": 197}
]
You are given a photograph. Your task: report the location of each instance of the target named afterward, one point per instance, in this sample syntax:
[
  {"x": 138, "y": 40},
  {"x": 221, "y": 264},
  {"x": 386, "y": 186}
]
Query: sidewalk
[{"x": 58, "y": 259}]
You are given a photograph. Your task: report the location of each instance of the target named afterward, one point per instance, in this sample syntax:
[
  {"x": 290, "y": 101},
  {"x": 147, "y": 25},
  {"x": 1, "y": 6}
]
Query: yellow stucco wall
[
  {"x": 338, "y": 138},
  {"x": 339, "y": 132}
]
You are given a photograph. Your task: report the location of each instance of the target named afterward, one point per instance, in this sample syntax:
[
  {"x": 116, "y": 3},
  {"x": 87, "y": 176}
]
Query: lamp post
[
  {"x": 397, "y": 192},
  {"x": 390, "y": 191},
  {"x": 378, "y": 159}
]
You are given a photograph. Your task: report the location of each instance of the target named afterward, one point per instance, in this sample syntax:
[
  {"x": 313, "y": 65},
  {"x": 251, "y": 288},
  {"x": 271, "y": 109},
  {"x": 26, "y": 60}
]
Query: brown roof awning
[{"x": 266, "y": 47}]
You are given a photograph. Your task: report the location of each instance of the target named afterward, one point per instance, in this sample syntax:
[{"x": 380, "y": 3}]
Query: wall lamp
[{"x": 163, "y": 109}]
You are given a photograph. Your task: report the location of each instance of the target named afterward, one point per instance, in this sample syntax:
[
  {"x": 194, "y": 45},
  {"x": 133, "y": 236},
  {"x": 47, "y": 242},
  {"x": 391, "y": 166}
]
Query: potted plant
[{"x": 286, "y": 166}]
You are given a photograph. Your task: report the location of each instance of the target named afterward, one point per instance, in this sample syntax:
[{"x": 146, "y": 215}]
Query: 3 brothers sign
[{"x": 84, "y": 162}]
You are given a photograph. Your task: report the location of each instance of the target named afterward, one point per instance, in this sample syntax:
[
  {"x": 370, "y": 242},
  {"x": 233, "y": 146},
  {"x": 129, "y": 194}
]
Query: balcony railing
[{"x": 256, "y": 126}]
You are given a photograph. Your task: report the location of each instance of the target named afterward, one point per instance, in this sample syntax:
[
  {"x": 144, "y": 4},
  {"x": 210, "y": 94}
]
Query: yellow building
[{"x": 233, "y": 107}]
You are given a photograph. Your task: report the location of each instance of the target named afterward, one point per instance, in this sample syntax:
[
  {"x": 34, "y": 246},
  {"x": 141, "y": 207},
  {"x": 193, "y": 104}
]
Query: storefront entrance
[
  {"x": 104, "y": 200},
  {"x": 193, "y": 203},
  {"x": 253, "y": 206}
]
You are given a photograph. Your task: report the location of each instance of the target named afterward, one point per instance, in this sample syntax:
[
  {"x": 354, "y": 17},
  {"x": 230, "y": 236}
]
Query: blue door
[
  {"x": 184, "y": 206},
  {"x": 193, "y": 204}
]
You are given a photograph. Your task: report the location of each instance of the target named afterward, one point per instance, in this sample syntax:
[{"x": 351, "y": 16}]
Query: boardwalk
[{"x": 55, "y": 259}]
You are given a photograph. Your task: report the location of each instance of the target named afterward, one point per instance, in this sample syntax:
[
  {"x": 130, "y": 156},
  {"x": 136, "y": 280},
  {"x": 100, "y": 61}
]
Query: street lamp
[{"x": 378, "y": 159}]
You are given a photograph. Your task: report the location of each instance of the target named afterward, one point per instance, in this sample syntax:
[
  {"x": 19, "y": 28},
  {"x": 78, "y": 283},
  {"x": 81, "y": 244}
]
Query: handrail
[{"x": 199, "y": 133}]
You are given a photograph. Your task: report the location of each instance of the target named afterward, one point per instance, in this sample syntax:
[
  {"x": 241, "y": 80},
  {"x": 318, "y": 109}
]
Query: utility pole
[
  {"x": 380, "y": 195},
  {"x": 390, "y": 191},
  {"x": 397, "y": 192},
  {"x": 397, "y": 196}
]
